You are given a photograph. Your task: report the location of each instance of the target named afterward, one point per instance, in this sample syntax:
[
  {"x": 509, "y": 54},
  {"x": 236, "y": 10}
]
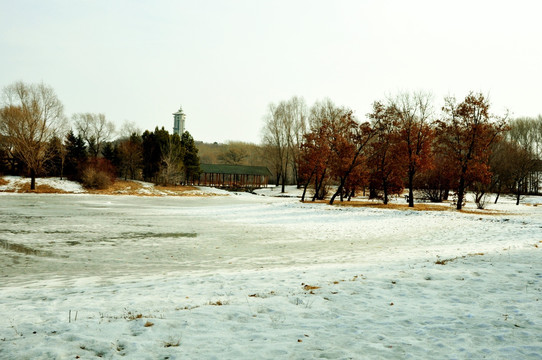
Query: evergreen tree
[
  {"x": 191, "y": 158},
  {"x": 76, "y": 155},
  {"x": 151, "y": 156},
  {"x": 111, "y": 153},
  {"x": 54, "y": 164}
]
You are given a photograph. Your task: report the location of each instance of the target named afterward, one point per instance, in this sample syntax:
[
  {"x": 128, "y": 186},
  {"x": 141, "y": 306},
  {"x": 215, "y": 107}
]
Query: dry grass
[
  {"x": 445, "y": 261},
  {"x": 218, "y": 303},
  {"x": 404, "y": 207},
  {"x": 125, "y": 187},
  {"x": 119, "y": 187},
  {"x": 40, "y": 189},
  {"x": 172, "y": 343},
  {"x": 379, "y": 205},
  {"x": 484, "y": 212},
  {"x": 25, "y": 188},
  {"x": 176, "y": 189},
  {"x": 128, "y": 187}
]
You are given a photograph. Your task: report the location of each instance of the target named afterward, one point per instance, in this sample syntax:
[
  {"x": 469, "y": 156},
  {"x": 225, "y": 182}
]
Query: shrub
[{"x": 95, "y": 179}]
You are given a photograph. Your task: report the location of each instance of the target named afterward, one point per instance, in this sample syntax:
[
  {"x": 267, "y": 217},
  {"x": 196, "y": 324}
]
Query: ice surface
[{"x": 246, "y": 276}]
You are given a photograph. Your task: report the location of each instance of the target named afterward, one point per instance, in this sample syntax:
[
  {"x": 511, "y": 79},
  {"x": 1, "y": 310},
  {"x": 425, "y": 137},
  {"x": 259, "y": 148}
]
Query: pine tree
[
  {"x": 76, "y": 155},
  {"x": 191, "y": 158}
]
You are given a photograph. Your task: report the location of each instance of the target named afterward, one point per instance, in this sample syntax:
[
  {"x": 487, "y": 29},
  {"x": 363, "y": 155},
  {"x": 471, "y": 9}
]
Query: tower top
[{"x": 179, "y": 112}]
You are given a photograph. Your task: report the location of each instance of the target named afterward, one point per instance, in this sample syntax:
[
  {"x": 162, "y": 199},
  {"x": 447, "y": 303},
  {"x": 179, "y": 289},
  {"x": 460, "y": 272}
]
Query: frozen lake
[
  {"x": 91, "y": 235},
  {"x": 378, "y": 290}
]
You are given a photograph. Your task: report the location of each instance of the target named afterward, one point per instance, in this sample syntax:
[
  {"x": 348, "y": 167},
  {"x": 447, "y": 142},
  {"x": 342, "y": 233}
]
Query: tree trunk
[
  {"x": 497, "y": 198},
  {"x": 373, "y": 194},
  {"x": 460, "y": 193},
  {"x": 304, "y": 192},
  {"x": 385, "y": 190},
  {"x": 318, "y": 186},
  {"x": 339, "y": 191},
  {"x": 305, "y": 186},
  {"x": 32, "y": 179},
  {"x": 410, "y": 190},
  {"x": 315, "y": 188},
  {"x": 518, "y": 193},
  {"x": 446, "y": 194},
  {"x": 332, "y": 199}
]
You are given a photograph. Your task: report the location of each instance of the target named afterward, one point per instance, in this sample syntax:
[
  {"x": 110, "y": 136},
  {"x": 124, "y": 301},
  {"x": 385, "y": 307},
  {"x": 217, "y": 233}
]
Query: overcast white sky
[{"x": 225, "y": 61}]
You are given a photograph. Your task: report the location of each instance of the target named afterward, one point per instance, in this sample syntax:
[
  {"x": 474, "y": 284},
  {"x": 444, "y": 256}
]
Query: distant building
[
  {"x": 233, "y": 176},
  {"x": 178, "y": 121}
]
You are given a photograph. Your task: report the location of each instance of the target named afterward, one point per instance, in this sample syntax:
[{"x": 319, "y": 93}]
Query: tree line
[
  {"x": 403, "y": 144},
  {"x": 36, "y": 139}
]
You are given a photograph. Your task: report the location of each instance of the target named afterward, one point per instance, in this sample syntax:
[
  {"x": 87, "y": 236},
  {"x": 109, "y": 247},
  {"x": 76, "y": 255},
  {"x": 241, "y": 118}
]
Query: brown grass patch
[
  {"x": 177, "y": 189},
  {"x": 307, "y": 287},
  {"x": 123, "y": 187},
  {"x": 40, "y": 189},
  {"x": 148, "y": 324},
  {"x": 218, "y": 303},
  {"x": 171, "y": 343},
  {"x": 484, "y": 212},
  {"x": 404, "y": 207},
  {"x": 119, "y": 187},
  {"x": 378, "y": 205},
  {"x": 128, "y": 187},
  {"x": 445, "y": 261}
]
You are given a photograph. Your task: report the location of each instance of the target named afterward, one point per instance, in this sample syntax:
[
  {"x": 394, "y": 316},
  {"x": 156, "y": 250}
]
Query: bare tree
[
  {"x": 31, "y": 115},
  {"x": 128, "y": 129},
  {"x": 235, "y": 153},
  {"x": 295, "y": 113},
  {"x": 275, "y": 141},
  {"x": 526, "y": 132},
  {"x": 285, "y": 125},
  {"x": 325, "y": 111},
  {"x": 94, "y": 129}
]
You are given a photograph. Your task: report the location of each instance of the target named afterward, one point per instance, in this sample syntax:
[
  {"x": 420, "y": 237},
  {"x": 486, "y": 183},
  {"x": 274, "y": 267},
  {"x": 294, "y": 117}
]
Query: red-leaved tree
[
  {"x": 465, "y": 134},
  {"x": 415, "y": 134},
  {"x": 387, "y": 156},
  {"x": 348, "y": 144}
]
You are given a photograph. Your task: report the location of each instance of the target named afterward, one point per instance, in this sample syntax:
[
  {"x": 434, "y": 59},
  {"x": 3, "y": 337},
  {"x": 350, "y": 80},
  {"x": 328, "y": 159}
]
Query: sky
[{"x": 224, "y": 61}]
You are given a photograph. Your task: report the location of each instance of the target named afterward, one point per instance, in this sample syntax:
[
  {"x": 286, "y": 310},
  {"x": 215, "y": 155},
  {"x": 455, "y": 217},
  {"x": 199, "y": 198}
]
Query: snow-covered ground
[
  {"x": 22, "y": 184},
  {"x": 261, "y": 277},
  {"x": 15, "y": 182}
]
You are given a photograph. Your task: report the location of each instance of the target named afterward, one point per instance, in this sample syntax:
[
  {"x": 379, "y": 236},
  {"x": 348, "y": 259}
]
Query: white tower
[{"x": 178, "y": 122}]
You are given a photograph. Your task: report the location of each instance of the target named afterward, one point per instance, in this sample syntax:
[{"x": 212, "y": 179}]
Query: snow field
[
  {"x": 244, "y": 277},
  {"x": 464, "y": 309}
]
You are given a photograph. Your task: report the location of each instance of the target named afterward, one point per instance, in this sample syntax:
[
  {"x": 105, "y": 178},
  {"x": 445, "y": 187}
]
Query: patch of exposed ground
[
  {"x": 40, "y": 189},
  {"x": 417, "y": 207},
  {"x": 127, "y": 187},
  {"x": 123, "y": 187},
  {"x": 119, "y": 187}
]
